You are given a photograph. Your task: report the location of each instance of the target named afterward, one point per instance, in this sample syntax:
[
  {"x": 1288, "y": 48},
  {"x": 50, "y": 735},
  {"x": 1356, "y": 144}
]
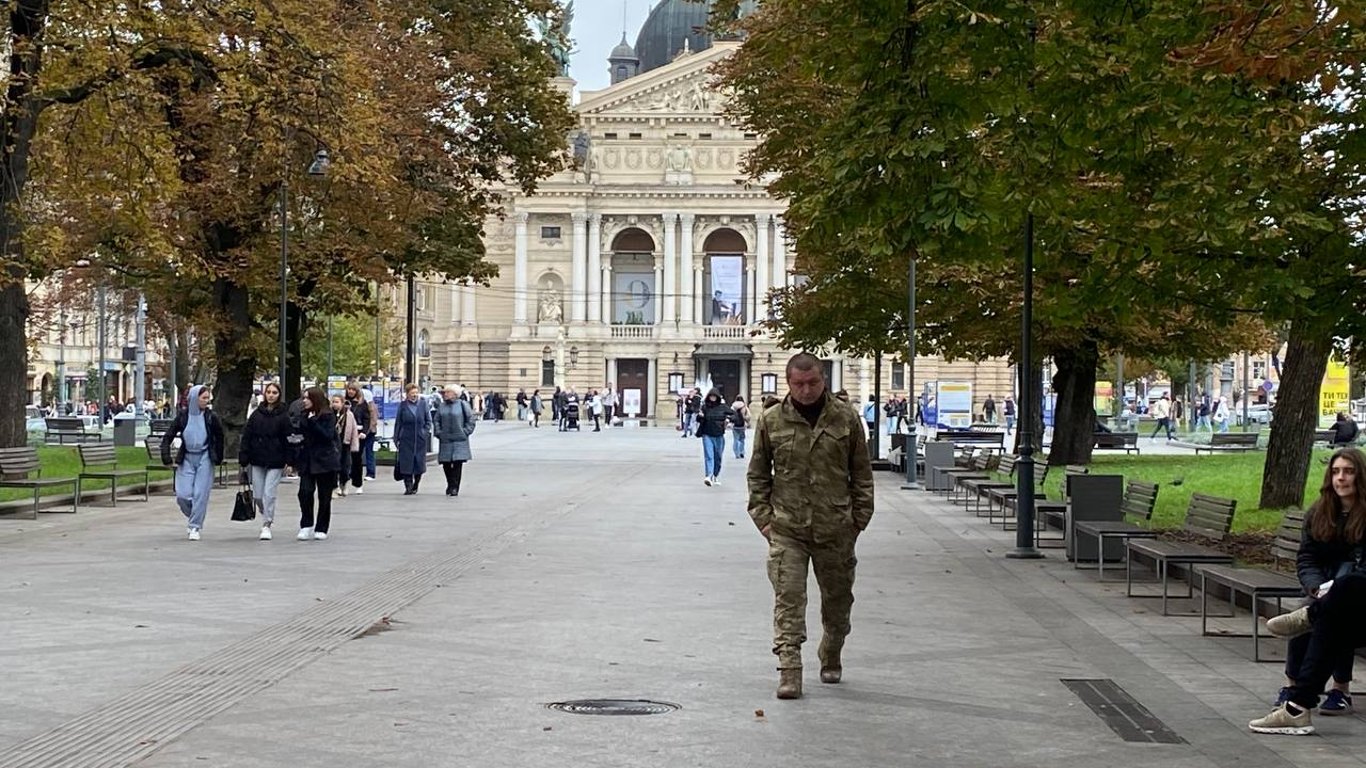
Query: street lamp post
[
  {"x": 317, "y": 169},
  {"x": 140, "y": 385},
  {"x": 99, "y": 335},
  {"x": 410, "y": 357},
  {"x": 1029, "y": 400},
  {"x": 61, "y": 363},
  {"x": 912, "y": 401}
]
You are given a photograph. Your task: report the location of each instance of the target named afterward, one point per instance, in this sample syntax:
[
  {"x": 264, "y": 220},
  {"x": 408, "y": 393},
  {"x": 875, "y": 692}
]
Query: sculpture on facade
[
  {"x": 550, "y": 309},
  {"x": 678, "y": 165},
  {"x": 700, "y": 99},
  {"x": 554, "y": 32}
]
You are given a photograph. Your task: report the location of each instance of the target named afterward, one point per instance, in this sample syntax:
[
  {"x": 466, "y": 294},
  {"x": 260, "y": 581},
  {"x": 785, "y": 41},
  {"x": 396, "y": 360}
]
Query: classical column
[
  {"x": 670, "y": 266},
  {"x": 578, "y": 293},
  {"x": 606, "y": 298},
  {"x": 595, "y": 268},
  {"x": 520, "y": 289},
  {"x": 761, "y": 279},
  {"x": 699, "y": 311},
  {"x": 467, "y": 303},
  {"x": 751, "y": 295},
  {"x": 659, "y": 290},
  {"x": 780, "y": 277},
  {"x": 456, "y": 295},
  {"x": 685, "y": 269}
]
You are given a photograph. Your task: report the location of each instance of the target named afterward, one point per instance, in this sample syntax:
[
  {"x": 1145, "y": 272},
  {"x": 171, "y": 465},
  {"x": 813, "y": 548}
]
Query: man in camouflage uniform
[{"x": 810, "y": 494}]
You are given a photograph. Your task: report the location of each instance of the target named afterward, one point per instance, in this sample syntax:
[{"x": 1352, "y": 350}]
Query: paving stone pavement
[{"x": 584, "y": 566}]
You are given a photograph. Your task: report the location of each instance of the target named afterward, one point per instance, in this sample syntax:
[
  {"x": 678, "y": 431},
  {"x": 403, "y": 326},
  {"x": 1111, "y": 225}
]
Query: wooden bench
[
  {"x": 159, "y": 427},
  {"x": 1225, "y": 442},
  {"x": 1209, "y": 516},
  {"x": 982, "y": 467},
  {"x": 992, "y": 440},
  {"x": 976, "y": 488},
  {"x": 1117, "y": 441},
  {"x": 63, "y": 427},
  {"x": 1048, "y": 512},
  {"x": 1257, "y": 583},
  {"x": 1140, "y": 499},
  {"x": 999, "y": 496},
  {"x": 101, "y": 462},
  {"x": 967, "y": 460},
  {"x": 16, "y": 466}
]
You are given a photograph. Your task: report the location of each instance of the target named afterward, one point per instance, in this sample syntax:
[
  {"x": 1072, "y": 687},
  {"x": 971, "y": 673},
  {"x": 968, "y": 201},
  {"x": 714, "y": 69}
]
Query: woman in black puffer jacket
[{"x": 262, "y": 453}]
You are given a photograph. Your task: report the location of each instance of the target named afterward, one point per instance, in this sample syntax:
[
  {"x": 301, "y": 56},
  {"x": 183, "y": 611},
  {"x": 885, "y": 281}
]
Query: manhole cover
[{"x": 614, "y": 707}]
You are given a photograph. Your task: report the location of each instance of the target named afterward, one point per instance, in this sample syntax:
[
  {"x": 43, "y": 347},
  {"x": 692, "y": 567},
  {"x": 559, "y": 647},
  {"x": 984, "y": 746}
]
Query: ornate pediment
[{"x": 680, "y": 88}]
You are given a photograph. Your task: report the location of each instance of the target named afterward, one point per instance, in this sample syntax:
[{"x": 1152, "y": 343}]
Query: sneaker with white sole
[
  {"x": 707, "y": 481},
  {"x": 306, "y": 534},
  {"x": 1289, "y": 719},
  {"x": 320, "y": 536},
  {"x": 194, "y": 534},
  {"x": 360, "y": 489},
  {"x": 1337, "y": 703},
  {"x": 715, "y": 479},
  {"x": 265, "y": 533},
  {"x": 1291, "y": 624}
]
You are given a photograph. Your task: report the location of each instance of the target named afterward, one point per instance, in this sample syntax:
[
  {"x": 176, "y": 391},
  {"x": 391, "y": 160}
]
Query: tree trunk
[
  {"x": 1074, "y": 417},
  {"x": 1297, "y": 414},
  {"x": 236, "y": 366},
  {"x": 27, "y": 21}
]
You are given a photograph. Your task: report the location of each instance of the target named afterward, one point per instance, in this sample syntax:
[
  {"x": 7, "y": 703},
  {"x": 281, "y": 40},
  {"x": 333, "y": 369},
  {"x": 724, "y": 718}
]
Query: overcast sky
[{"x": 596, "y": 31}]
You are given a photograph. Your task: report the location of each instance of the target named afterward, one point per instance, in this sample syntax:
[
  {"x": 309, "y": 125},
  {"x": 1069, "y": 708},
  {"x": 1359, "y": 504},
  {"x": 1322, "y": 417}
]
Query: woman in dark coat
[
  {"x": 262, "y": 452},
  {"x": 454, "y": 423},
  {"x": 319, "y": 460},
  {"x": 413, "y": 438}
]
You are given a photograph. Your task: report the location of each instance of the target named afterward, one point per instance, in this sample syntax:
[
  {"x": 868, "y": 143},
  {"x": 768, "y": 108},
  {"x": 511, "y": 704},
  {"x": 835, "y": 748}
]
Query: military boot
[
  {"x": 789, "y": 683},
  {"x": 831, "y": 669}
]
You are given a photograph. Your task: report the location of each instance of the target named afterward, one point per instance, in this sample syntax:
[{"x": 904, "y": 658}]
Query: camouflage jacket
[{"x": 810, "y": 483}]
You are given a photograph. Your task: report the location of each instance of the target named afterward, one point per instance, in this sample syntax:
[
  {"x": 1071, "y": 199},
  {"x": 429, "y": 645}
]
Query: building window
[
  {"x": 751, "y": 136},
  {"x": 550, "y": 233},
  {"x": 634, "y": 136},
  {"x": 547, "y": 373},
  {"x": 680, "y": 135},
  {"x": 1259, "y": 369},
  {"x": 704, "y": 136},
  {"x": 612, "y": 135},
  {"x": 424, "y": 344},
  {"x": 898, "y": 375}
]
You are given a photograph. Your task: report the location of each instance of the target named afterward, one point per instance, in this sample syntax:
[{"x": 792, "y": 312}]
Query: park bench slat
[
  {"x": 1205, "y": 515},
  {"x": 1140, "y": 499},
  {"x": 16, "y": 464},
  {"x": 101, "y": 462}
]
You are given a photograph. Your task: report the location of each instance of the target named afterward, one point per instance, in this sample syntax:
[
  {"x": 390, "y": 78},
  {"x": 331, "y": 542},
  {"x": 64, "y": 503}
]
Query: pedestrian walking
[
  {"x": 610, "y": 403},
  {"x": 262, "y": 453},
  {"x": 711, "y": 427},
  {"x": 367, "y": 427},
  {"x": 412, "y": 439},
  {"x": 1008, "y": 410},
  {"x": 1203, "y": 416},
  {"x": 870, "y": 415},
  {"x": 989, "y": 409},
  {"x": 522, "y": 403},
  {"x": 595, "y": 409},
  {"x": 1220, "y": 414},
  {"x": 1162, "y": 411},
  {"x": 319, "y": 461},
  {"x": 810, "y": 495},
  {"x": 453, "y": 424},
  {"x": 1332, "y": 570},
  {"x": 692, "y": 405},
  {"x": 739, "y": 423},
  {"x": 348, "y": 447},
  {"x": 201, "y": 449},
  {"x": 537, "y": 407}
]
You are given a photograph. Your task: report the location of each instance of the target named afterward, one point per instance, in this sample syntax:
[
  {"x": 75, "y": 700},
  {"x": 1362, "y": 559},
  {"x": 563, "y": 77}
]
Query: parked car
[
  {"x": 33, "y": 419},
  {"x": 1257, "y": 413}
]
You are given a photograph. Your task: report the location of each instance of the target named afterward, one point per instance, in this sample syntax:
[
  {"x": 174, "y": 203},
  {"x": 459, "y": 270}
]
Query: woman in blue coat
[
  {"x": 412, "y": 438},
  {"x": 454, "y": 424}
]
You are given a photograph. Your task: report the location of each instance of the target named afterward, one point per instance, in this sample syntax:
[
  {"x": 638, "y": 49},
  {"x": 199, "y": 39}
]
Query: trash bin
[{"x": 125, "y": 432}]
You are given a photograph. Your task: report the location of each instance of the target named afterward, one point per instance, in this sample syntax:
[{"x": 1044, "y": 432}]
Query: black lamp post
[
  {"x": 1029, "y": 400},
  {"x": 912, "y": 401},
  {"x": 317, "y": 169}
]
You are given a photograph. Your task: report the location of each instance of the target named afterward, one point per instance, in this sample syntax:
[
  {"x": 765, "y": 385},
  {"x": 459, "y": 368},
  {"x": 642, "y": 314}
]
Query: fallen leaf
[
  {"x": 652, "y": 640},
  {"x": 546, "y": 728},
  {"x": 139, "y": 626},
  {"x": 382, "y": 690},
  {"x": 758, "y": 713}
]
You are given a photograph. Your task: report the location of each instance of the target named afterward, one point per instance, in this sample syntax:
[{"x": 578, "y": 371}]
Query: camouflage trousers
[{"x": 787, "y": 569}]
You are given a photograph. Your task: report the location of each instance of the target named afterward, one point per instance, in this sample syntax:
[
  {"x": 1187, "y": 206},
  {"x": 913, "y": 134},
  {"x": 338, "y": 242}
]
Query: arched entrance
[
  {"x": 725, "y": 310},
  {"x": 633, "y": 312}
]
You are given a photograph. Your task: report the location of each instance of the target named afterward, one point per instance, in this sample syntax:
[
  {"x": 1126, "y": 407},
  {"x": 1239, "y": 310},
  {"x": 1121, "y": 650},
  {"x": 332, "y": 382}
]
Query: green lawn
[
  {"x": 64, "y": 461},
  {"x": 1230, "y": 475}
]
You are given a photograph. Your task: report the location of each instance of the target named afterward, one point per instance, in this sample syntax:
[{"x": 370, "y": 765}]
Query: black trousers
[
  {"x": 323, "y": 485},
  {"x": 351, "y": 470},
  {"x": 454, "y": 471},
  {"x": 1339, "y": 621},
  {"x": 1295, "y": 650}
]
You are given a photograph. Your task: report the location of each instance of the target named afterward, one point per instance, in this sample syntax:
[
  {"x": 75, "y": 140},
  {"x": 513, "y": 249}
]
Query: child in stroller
[{"x": 569, "y": 415}]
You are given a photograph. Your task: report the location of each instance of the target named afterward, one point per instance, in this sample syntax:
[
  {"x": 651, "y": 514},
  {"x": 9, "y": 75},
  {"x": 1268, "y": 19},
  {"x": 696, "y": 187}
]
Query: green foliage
[{"x": 353, "y": 347}]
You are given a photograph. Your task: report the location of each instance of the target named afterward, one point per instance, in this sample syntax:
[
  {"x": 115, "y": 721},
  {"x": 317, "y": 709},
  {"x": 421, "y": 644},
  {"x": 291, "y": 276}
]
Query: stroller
[{"x": 569, "y": 416}]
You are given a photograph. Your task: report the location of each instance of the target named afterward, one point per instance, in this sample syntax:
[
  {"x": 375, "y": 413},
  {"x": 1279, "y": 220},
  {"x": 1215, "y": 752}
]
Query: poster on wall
[
  {"x": 630, "y": 402},
  {"x": 727, "y": 291},
  {"x": 1333, "y": 394},
  {"x": 633, "y": 297}
]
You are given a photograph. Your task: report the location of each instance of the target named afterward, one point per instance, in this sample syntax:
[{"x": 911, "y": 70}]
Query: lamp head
[{"x": 321, "y": 161}]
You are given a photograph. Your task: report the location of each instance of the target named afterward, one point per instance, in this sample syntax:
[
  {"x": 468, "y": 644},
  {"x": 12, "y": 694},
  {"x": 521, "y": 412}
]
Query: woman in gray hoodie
[{"x": 201, "y": 449}]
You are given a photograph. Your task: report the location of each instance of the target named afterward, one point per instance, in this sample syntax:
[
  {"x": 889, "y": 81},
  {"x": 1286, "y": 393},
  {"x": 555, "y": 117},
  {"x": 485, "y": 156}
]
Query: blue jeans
[
  {"x": 367, "y": 447},
  {"x": 738, "y": 434},
  {"x": 712, "y": 449},
  {"x": 193, "y": 481}
]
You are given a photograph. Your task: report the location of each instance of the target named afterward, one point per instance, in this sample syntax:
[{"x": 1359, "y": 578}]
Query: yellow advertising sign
[
  {"x": 1333, "y": 395},
  {"x": 1105, "y": 397}
]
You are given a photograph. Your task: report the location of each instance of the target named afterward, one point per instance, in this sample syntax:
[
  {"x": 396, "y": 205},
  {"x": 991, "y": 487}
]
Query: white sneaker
[
  {"x": 320, "y": 536},
  {"x": 707, "y": 480},
  {"x": 305, "y": 534},
  {"x": 194, "y": 534},
  {"x": 715, "y": 479},
  {"x": 265, "y": 533},
  {"x": 360, "y": 489}
]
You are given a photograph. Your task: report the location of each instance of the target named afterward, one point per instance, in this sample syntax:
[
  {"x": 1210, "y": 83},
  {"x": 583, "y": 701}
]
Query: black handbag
[{"x": 243, "y": 509}]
